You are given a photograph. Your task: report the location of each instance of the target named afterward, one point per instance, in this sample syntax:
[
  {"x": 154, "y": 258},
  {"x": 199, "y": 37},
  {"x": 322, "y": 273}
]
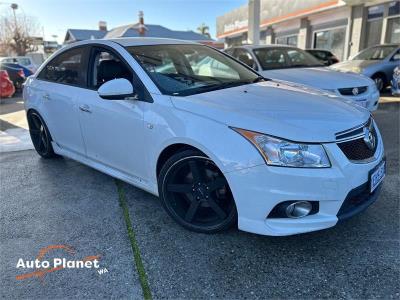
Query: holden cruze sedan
[
  {"x": 287, "y": 63},
  {"x": 215, "y": 141}
]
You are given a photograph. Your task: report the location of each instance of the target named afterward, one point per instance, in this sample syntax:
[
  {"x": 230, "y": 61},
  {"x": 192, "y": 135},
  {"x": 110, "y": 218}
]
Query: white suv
[{"x": 217, "y": 142}]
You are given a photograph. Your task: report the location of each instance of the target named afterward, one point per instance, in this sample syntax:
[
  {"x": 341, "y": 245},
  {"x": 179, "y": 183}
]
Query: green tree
[{"x": 204, "y": 30}]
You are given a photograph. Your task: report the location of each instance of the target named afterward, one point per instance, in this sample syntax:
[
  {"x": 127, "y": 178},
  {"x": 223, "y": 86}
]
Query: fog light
[{"x": 298, "y": 209}]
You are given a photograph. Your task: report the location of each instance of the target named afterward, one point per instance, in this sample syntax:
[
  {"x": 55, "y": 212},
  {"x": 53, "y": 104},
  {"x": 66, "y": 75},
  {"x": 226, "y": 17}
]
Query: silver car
[
  {"x": 287, "y": 63},
  {"x": 376, "y": 62}
]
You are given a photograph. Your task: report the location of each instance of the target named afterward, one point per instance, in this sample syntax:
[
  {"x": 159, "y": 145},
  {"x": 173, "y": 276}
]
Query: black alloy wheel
[
  {"x": 196, "y": 194},
  {"x": 40, "y": 135}
]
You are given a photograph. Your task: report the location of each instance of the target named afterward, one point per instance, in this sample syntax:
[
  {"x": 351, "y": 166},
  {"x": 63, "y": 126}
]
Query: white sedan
[
  {"x": 217, "y": 149},
  {"x": 282, "y": 62}
]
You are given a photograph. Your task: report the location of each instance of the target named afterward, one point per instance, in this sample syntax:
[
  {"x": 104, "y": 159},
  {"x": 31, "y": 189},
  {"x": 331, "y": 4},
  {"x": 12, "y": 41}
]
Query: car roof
[
  {"x": 264, "y": 46},
  {"x": 5, "y": 57},
  {"x": 324, "y": 50},
  {"x": 139, "y": 41}
]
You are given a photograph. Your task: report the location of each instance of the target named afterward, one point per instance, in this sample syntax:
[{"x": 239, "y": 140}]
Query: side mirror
[{"x": 116, "y": 89}]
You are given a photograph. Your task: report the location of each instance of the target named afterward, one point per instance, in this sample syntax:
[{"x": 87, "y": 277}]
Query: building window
[
  {"x": 374, "y": 25},
  {"x": 263, "y": 37},
  {"x": 394, "y": 8},
  {"x": 375, "y": 12},
  {"x": 236, "y": 41},
  {"x": 332, "y": 40},
  {"x": 290, "y": 40},
  {"x": 393, "y": 30}
]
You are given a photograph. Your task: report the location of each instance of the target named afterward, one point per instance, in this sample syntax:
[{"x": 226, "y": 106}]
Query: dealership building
[{"x": 343, "y": 26}]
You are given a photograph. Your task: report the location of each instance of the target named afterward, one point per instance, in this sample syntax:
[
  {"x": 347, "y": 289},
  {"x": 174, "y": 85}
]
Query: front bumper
[
  {"x": 368, "y": 100},
  {"x": 395, "y": 87},
  {"x": 259, "y": 189}
]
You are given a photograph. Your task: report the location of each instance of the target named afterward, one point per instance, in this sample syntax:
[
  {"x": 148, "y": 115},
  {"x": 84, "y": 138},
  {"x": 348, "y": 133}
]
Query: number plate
[{"x": 377, "y": 176}]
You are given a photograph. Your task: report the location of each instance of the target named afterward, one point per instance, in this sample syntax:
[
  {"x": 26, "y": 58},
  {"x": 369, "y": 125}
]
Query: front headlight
[
  {"x": 396, "y": 73},
  {"x": 279, "y": 152},
  {"x": 356, "y": 69}
]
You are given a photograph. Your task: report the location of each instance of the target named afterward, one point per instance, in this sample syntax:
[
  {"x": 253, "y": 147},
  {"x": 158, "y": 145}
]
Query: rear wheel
[
  {"x": 195, "y": 193},
  {"x": 40, "y": 135}
]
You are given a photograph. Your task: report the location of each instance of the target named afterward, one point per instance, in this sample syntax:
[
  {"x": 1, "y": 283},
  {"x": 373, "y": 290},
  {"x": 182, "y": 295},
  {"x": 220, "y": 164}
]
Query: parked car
[
  {"x": 396, "y": 82},
  {"x": 282, "y": 62},
  {"x": 377, "y": 62},
  {"x": 324, "y": 56},
  {"x": 6, "y": 86},
  {"x": 25, "y": 61},
  {"x": 16, "y": 75},
  {"x": 26, "y": 71},
  {"x": 277, "y": 158}
]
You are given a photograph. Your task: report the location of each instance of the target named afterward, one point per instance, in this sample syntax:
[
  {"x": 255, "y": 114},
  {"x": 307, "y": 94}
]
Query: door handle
[
  {"x": 85, "y": 108},
  {"x": 46, "y": 97}
]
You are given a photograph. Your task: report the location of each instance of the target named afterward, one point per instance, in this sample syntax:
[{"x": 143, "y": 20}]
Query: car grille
[
  {"x": 353, "y": 144},
  {"x": 353, "y": 91}
]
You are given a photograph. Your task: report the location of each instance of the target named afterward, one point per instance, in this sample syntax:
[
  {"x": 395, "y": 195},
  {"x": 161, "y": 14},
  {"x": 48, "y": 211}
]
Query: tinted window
[
  {"x": 280, "y": 58},
  {"x": 319, "y": 54},
  {"x": 67, "y": 68},
  {"x": 245, "y": 57},
  {"x": 394, "y": 8},
  {"x": 272, "y": 58},
  {"x": 107, "y": 66}
]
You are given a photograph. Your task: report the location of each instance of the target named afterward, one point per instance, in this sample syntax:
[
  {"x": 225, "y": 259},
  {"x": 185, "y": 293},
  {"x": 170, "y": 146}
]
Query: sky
[{"x": 56, "y": 16}]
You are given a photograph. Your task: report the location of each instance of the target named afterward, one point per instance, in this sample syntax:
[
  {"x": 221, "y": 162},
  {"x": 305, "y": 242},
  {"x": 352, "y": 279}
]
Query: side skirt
[{"x": 106, "y": 169}]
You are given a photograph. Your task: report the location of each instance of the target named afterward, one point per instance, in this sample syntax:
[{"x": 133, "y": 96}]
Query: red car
[{"x": 7, "y": 88}]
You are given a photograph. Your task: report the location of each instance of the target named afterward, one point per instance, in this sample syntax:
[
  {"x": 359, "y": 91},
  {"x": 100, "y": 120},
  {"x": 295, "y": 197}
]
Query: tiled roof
[
  {"x": 86, "y": 34},
  {"x": 159, "y": 31}
]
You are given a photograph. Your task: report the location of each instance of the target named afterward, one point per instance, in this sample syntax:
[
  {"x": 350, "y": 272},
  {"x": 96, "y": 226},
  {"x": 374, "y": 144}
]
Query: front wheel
[{"x": 195, "y": 193}]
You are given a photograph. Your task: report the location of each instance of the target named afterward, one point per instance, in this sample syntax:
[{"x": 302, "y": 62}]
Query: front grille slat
[
  {"x": 356, "y": 149},
  {"x": 349, "y": 91}
]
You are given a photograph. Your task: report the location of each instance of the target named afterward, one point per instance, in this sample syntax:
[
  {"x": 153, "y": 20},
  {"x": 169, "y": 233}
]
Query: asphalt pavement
[{"x": 63, "y": 203}]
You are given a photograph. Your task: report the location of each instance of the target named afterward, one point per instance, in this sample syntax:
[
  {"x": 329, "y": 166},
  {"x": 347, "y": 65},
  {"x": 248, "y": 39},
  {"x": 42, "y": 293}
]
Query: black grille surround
[
  {"x": 356, "y": 149},
  {"x": 349, "y": 91}
]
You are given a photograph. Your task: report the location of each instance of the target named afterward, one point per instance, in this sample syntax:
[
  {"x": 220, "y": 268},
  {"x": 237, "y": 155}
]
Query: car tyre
[
  {"x": 40, "y": 135},
  {"x": 380, "y": 81},
  {"x": 195, "y": 193}
]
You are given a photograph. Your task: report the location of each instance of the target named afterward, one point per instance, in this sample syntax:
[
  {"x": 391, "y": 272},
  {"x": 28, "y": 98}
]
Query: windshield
[
  {"x": 375, "y": 53},
  {"x": 182, "y": 70},
  {"x": 283, "y": 58}
]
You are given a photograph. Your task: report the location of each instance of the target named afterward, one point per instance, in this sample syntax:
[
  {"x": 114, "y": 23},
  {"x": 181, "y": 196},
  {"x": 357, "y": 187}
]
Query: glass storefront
[
  {"x": 393, "y": 30},
  {"x": 374, "y": 25},
  {"x": 393, "y": 23},
  {"x": 287, "y": 40},
  {"x": 332, "y": 40}
]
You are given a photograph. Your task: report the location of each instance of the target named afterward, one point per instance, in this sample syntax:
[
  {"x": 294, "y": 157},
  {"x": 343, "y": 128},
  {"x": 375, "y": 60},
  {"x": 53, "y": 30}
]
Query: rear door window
[{"x": 67, "y": 68}]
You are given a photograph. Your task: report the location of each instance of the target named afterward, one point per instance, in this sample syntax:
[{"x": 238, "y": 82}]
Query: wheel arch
[
  {"x": 30, "y": 110},
  {"x": 382, "y": 74},
  {"x": 172, "y": 149}
]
